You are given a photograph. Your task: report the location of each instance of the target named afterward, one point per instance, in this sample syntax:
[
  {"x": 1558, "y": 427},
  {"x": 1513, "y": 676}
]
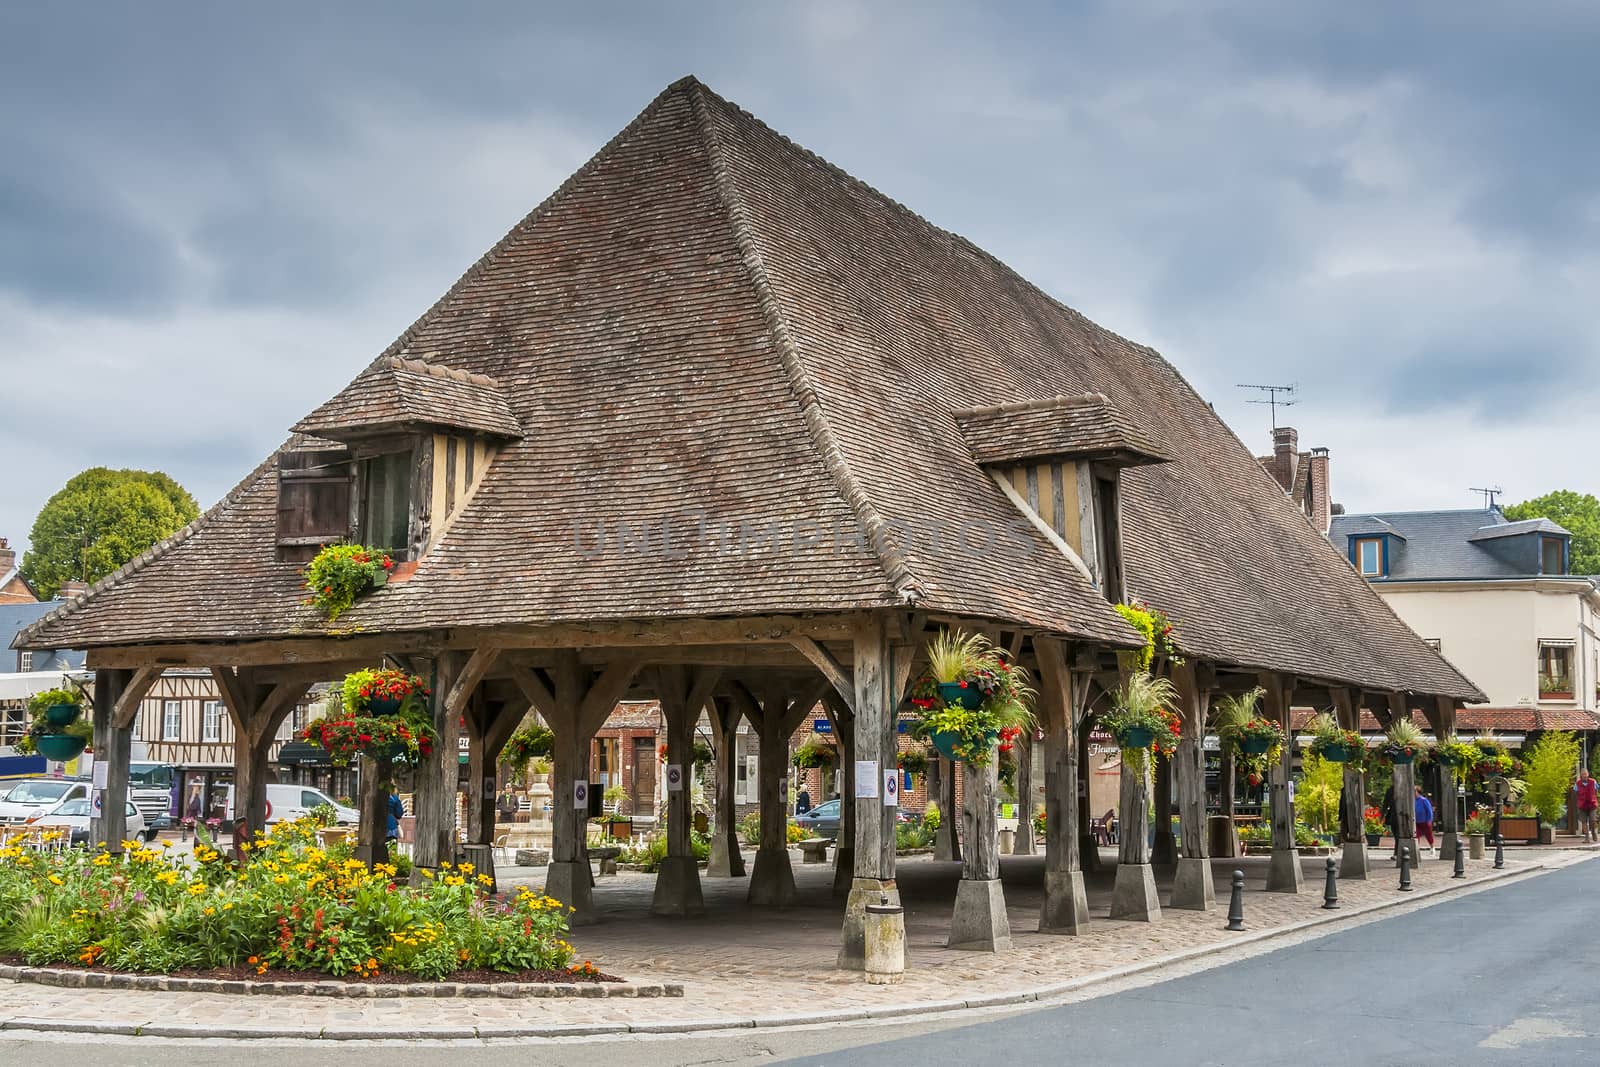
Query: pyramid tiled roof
[{"x": 708, "y": 327}]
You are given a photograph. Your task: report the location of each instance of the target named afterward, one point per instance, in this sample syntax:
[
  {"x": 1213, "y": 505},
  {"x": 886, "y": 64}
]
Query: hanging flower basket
[
  {"x": 1136, "y": 737},
  {"x": 958, "y": 748},
  {"x": 1336, "y": 753},
  {"x": 962, "y": 694},
  {"x": 62, "y": 714},
  {"x": 369, "y": 692},
  {"x": 404, "y": 738},
  {"x": 59, "y": 747},
  {"x": 1255, "y": 746}
]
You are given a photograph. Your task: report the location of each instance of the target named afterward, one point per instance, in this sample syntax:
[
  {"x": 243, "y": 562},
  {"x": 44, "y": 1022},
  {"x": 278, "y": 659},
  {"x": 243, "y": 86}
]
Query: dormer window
[
  {"x": 1552, "y": 555},
  {"x": 385, "y": 487},
  {"x": 1369, "y": 557}
]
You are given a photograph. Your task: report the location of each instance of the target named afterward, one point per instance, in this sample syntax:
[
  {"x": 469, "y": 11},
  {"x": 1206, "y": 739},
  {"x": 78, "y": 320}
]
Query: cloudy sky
[{"x": 212, "y": 216}]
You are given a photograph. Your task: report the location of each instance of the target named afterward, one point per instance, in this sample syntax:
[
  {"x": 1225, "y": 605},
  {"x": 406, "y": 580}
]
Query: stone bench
[
  {"x": 814, "y": 850},
  {"x": 532, "y": 857},
  {"x": 607, "y": 857}
]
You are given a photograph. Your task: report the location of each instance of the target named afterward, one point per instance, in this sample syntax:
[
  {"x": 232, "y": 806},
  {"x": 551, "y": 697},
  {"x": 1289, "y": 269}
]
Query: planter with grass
[
  {"x": 57, "y": 729},
  {"x": 1333, "y": 744},
  {"x": 1403, "y": 743},
  {"x": 966, "y": 666}
]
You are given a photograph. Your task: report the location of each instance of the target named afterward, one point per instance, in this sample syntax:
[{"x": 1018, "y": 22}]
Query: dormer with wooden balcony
[
  {"x": 390, "y": 460},
  {"x": 1058, "y": 460}
]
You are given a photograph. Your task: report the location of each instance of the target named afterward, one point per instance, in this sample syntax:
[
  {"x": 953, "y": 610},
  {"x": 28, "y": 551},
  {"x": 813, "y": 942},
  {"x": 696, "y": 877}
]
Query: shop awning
[{"x": 301, "y": 754}]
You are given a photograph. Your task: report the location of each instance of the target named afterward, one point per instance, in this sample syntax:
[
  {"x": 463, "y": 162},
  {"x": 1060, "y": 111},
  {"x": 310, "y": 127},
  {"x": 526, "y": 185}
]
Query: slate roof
[
  {"x": 396, "y": 393},
  {"x": 709, "y": 324},
  {"x": 1080, "y": 427},
  {"x": 14, "y": 618},
  {"x": 1444, "y": 544}
]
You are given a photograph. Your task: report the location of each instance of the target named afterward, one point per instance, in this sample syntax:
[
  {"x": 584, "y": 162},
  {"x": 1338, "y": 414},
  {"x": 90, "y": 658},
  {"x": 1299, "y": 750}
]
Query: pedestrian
[
  {"x": 396, "y": 810},
  {"x": 802, "y": 803},
  {"x": 1588, "y": 801},
  {"x": 507, "y": 808},
  {"x": 1392, "y": 821},
  {"x": 1424, "y": 810}
]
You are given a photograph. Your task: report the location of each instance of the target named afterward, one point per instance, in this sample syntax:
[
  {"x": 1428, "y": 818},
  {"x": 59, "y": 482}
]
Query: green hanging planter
[
  {"x": 62, "y": 714},
  {"x": 59, "y": 747}
]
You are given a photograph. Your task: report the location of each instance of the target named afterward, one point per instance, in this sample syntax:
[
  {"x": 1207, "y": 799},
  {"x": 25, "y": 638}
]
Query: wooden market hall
[{"x": 720, "y": 426}]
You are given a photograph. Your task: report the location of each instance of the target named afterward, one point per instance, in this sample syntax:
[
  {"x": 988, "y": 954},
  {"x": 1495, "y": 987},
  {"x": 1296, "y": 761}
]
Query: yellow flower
[
  {"x": 197, "y": 889},
  {"x": 466, "y": 868},
  {"x": 282, "y": 879},
  {"x": 426, "y": 873},
  {"x": 228, "y": 906},
  {"x": 101, "y": 860},
  {"x": 208, "y": 911},
  {"x": 445, "y": 864},
  {"x": 55, "y": 879}
]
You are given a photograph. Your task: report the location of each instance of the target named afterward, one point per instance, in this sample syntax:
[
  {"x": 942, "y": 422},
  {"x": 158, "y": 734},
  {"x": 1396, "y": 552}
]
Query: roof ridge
[
  {"x": 897, "y": 569},
  {"x": 440, "y": 370},
  {"x": 1079, "y": 400},
  {"x": 153, "y": 553}
]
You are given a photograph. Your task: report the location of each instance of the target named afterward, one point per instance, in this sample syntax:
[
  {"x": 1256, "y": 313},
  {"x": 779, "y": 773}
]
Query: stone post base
[
  {"x": 568, "y": 881},
  {"x": 844, "y": 870},
  {"x": 1134, "y": 895},
  {"x": 725, "y": 862},
  {"x": 1283, "y": 872},
  {"x": 1449, "y": 841},
  {"x": 1066, "y": 905},
  {"x": 771, "y": 879},
  {"x": 1354, "y": 865},
  {"x": 678, "y": 888},
  {"x": 1192, "y": 889},
  {"x": 979, "y": 922},
  {"x": 853, "y": 939}
]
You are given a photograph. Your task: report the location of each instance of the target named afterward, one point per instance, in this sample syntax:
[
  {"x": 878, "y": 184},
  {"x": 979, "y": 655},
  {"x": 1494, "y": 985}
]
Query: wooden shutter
[{"x": 314, "y": 490}]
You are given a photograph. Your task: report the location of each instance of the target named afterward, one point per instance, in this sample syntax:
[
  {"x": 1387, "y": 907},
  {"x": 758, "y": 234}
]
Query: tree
[
  {"x": 100, "y": 520},
  {"x": 1579, "y": 513},
  {"x": 1550, "y": 765}
]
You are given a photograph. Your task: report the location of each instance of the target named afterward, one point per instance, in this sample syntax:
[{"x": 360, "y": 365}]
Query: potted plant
[
  {"x": 702, "y": 755},
  {"x": 1403, "y": 743},
  {"x": 381, "y": 692},
  {"x": 1256, "y": 743},
  {"x": 1332, "y": 743},
  {"x": 1555, "y": 687},
  {"x": 812, "y": 754},
  {"x": 57, "y": 730},
  {"x": 1480, "y": 824},
  {"x": 1142, "y": 721},
  {"x": 1459, "y": 756},
  {"x": 339, "y": 574},
  {"x": 527, "y": 744},
  {"x": 407, "y": 737},
  {"x": 989, "y": 694},
  {"x": 1552, "y": 762},
  {"x": 1373, "y": 826},
  {"x": 1156, "y": 629},
  {"x": 913, "y": 760}
]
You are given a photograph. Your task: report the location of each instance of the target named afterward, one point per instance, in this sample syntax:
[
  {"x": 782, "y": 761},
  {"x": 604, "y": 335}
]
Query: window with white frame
[
  {"x": 1555, "y": 670},
  {"x": 24, "y": 662},
  {"x": 211, "y": 728},
  {"x": 171, "y": 720}
]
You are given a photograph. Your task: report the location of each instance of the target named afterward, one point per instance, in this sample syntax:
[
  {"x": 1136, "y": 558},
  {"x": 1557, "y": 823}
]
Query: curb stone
[{"x": 686, "y": 1026}]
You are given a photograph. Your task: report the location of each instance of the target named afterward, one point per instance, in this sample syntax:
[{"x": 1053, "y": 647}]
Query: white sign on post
[
  {"x": 580, "y": 795},
  {"x": 674, "y": 777},
  {"x": 1291, "y": 790},
  {"x": 102, "y": 773},
  {"x": 866, "y": 779},
  {"x": 891, "y": 788},
  {"x": 99, "y": 802}
]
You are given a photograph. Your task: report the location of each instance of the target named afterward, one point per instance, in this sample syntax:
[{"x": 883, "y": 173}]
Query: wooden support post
[
  {"x": 113, "y": 744},
  {"x": 1133, "y": 895},
  {"x": 726, "y": 860},
  {"x": 436, "y": 775},
  {"x": 257, "y": 710},
  {"x": 1164, "y": 844},
  {"x": 844, "y": 852},
  {"x": 1023, "y": 844},
  {"x": 1404, "y": 793},
  {"x": 1192, "y": 888},
  {"x": 1446, "y": 805},
  {"x": 682, "y": 696},
  {"x": 1353, "y": 864},
  {"x": 775, "y": 714},
  {"x": 1065, "y": 909},
  {"x": 1088, "y": 848},
  {"x": 874, "y": 671},
  {"x": 374, "y": 808},
  {"x": 1283, "y": 873}
]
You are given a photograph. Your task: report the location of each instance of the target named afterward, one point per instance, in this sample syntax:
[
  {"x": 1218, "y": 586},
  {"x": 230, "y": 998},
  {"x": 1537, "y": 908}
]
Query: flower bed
[{"x": 294, "y": 908}]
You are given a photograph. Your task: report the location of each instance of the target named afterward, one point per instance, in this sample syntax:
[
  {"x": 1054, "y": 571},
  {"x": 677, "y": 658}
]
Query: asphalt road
[{"x": 1502, "y": 976}]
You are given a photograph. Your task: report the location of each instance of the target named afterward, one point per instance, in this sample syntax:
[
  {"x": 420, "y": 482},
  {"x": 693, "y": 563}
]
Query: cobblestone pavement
[{"x": 743, "y": 966}]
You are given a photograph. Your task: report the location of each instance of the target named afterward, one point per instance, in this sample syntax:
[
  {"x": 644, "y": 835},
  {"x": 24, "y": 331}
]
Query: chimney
[
  {"x": 71, "y": 589},
  {"x": 8, "y": 557},
  {"x": 1319, "y": 502},
  {"x": 1285, "y": 456}
]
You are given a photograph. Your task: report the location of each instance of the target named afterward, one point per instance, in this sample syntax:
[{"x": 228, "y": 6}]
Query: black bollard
[
  {"x": 1236, "y": 903},
  {"x": 1405, "y": 870},
  {"x": 1461, "y": 861},
  {"x": 1499, "y": 852},
  {"x": 1330, "y": 891}
]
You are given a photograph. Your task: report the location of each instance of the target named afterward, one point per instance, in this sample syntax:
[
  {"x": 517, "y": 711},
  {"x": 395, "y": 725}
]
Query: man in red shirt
[{"x": 1588, "y": 801}]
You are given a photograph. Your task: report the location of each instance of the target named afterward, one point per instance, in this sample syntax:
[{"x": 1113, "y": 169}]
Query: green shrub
[
  {"x": 1550, "y": 766},
  {"x": 750, "y": 828}
]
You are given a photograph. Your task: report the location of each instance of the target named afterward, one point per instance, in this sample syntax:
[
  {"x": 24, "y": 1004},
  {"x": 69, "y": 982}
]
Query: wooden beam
[
  {"x": 232, "y": 690},
  {"x": 607, "y": 689},
  {"x": 533, "y": 687},
  {"x": 128, "y": 701},
  {"x": 830, "y": 667},
  {"x": 467, "y": 680}
]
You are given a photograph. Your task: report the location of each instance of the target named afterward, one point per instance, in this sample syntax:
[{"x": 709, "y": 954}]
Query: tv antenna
[
  {"x": 1489, "y": 494},
  {"x": 1277, "y": 396}
]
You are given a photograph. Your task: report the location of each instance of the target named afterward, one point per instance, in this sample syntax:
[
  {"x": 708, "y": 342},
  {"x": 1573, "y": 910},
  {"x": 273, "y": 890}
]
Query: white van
[{"x": 290, "y": 802}]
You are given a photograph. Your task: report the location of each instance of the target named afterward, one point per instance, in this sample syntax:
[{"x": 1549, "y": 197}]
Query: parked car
[
  {"x": 823, "y": 820},
  {"x": 287, "y": 802},
  {"x": 31, "y": 795},
  {"x": 75, "y": 814}
]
